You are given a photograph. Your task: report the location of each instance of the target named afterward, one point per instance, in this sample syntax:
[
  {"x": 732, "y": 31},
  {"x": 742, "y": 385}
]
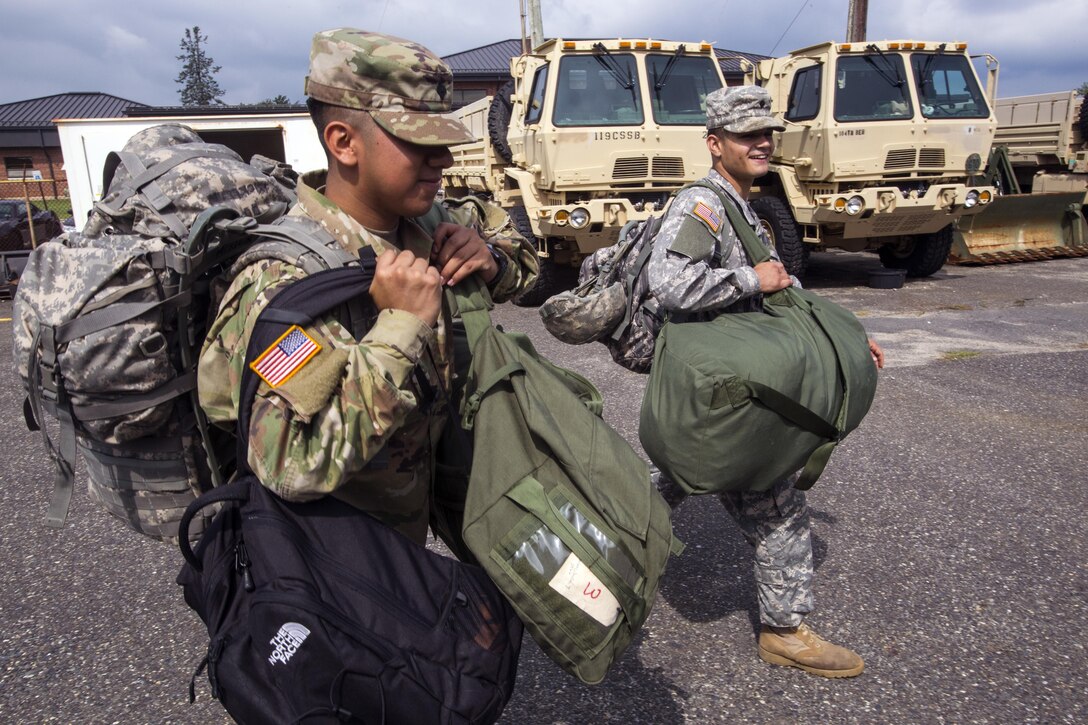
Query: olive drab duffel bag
[
  {"x": 560, "y": 510},
  {"x": 746, "y": 399}
]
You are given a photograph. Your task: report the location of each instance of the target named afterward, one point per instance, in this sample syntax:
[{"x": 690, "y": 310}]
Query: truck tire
[
  {"x": 545, "y": 281},
  {"x": 498, "y": 121},
  {"x": 926, "y": 256},
  {"x": 1083, "y": 119},
  {"x": 784, "y": 233}
]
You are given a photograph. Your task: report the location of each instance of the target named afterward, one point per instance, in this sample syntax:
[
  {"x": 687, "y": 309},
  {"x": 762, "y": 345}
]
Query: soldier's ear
[
  {"x": 714, "y": 145},
  {"x": 342, "y": 140}
]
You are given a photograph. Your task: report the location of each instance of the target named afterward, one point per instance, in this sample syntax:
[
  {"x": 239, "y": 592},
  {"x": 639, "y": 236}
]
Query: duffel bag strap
[
  {"x": 814, "y": 468},
  {"x": 753, "y": 245},
  {"x": 790, "y": 409},
  {"x": 473, "y": 304}
]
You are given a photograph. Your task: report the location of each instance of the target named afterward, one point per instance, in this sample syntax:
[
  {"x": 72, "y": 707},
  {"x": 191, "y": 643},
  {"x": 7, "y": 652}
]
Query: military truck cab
[
  {"x": 591, "y": 135},
  {"x": 880, "y": 141}
]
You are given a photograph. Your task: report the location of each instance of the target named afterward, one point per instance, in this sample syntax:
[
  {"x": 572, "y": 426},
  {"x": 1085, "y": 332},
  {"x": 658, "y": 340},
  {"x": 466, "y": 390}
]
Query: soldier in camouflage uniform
[
  {"x": 354, "y": 421},
  {"x": 697, "y": 270}
]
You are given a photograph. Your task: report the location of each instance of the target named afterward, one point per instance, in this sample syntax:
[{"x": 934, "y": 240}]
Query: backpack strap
[
  {"x": 649, "y": 305},
  {"x": 299, "y": 304}
]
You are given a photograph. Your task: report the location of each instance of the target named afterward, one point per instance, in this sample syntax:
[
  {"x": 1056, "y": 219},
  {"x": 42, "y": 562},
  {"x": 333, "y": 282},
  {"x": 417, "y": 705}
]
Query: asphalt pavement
[{"x": 949, "y": 536}]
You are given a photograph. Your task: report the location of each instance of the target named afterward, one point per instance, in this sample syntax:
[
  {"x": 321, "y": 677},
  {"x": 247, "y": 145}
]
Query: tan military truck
[
  {"x": 1040, "y": 164},
  {"x": 590, "y": 135},
  {"x": 880, "y": 141}
]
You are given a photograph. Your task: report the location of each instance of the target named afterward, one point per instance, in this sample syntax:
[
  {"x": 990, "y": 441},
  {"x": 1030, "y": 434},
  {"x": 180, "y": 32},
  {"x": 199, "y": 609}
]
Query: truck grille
[
  {"x": 668, "y": 166},
  {"x": 899, "y": 159},
  {"x": 931, "y": 158},
  {"x": 631, "y": 168}
]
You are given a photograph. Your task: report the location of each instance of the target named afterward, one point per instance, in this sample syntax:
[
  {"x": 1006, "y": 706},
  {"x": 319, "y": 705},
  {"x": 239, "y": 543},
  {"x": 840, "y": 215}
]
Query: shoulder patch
[
  {"x": 285, "y": 357},
  {"x": 708, "y": 216}
]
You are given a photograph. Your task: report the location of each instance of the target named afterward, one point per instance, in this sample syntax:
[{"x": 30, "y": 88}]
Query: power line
[
  {"x": 803, "y": 4},
  {"x": 382, "y": 19}
]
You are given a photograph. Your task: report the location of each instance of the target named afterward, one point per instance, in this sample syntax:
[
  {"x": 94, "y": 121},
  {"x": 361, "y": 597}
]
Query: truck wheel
[
  {"x": 784, "y": 233},
  {"x": 498, "y": 121},
  {"x": 1083, "y": 120},
  {"x": 923, "y": 258},
  {"x": 542, "y": 288}
]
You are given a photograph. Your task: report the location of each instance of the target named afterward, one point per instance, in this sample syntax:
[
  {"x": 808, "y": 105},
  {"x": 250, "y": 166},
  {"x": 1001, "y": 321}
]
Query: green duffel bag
[
  {"x": 560, "y": 510},
  {"x": 746, "y": 399}
]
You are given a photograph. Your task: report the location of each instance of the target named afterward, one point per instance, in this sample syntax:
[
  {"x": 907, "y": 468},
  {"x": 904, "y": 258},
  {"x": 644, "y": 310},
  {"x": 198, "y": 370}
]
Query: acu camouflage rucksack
[
  {"x": 612, "y": 303},
  {"x": 109, "y": 321}
]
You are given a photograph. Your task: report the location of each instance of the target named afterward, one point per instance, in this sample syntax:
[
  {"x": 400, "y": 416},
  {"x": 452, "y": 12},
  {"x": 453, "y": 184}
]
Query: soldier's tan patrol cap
[
  {"x": 741, "y": 109},
  {"x": 405, "y": 87}
]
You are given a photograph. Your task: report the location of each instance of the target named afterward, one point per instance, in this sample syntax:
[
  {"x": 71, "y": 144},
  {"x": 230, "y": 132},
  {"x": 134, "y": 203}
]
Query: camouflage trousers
[{"x": 775, "y": 522}]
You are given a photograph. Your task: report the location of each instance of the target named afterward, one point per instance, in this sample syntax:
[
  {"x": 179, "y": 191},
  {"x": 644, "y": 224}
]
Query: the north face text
[{"x": 287, "y": 641}]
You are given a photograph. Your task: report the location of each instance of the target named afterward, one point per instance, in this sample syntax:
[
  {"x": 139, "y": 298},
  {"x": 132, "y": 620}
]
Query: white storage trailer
[{"x": 85, "y": 143}]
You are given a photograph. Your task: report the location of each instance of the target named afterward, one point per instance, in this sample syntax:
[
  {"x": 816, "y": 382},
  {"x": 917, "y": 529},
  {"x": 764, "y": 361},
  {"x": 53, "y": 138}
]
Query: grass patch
[
  {"x": 61, "y": 207},
  {"x": 959, "y": 354}
]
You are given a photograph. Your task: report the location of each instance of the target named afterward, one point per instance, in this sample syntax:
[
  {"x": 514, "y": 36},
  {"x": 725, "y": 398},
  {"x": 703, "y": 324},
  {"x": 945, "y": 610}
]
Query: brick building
[{"x": 29, "y": 145}]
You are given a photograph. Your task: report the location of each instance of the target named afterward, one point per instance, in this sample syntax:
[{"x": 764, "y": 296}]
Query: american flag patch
[
  {"x": 286, "y": 355},
  {"x": 704, "y": 212}
]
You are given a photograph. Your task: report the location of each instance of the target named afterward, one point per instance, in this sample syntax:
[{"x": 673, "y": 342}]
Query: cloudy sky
[{"x": 128, "y": 48}]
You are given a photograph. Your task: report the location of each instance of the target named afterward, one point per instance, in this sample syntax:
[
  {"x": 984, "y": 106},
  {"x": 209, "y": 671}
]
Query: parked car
[{"x": 14, "y": 230}]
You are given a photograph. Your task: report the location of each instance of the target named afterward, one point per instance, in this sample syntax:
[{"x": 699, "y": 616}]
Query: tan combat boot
[{"x": 801, "y": 647}]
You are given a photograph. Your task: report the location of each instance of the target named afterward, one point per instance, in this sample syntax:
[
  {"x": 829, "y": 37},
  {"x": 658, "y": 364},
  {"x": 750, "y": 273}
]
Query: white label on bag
[{"x": 581, "y": 587}]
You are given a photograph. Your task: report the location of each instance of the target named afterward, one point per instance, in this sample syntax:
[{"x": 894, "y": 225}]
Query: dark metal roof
[
  {"x": 40, "y": 112},
  {"x": 495, "y": 59},
  {"x": 145, "y": 111},
  {"x": 730, "y": 59}
]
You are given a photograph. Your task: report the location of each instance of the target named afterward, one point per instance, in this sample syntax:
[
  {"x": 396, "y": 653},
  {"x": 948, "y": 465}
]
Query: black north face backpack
[{"x": 318, "y": 612}]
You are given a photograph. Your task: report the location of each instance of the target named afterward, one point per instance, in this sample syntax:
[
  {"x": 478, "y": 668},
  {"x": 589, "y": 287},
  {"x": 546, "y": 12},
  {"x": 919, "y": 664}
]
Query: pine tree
[{"x": 197, "y": 76}]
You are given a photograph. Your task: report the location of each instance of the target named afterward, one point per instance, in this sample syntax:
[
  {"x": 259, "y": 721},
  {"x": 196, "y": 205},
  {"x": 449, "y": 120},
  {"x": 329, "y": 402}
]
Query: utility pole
[
  {"x": 856, "y": 20},
  {"x": 536, "y": 24},
  {"x": 524, "y": 37}
]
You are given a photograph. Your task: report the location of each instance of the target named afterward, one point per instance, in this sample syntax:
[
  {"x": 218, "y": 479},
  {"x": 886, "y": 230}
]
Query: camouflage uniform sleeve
[
  {"x": 681, "y": 274},
  {"x": 333, "y": 415},
  {"x": 494, "y": 225}
]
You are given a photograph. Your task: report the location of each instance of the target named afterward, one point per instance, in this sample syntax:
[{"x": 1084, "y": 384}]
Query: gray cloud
[{"x": 128, "y": 49}]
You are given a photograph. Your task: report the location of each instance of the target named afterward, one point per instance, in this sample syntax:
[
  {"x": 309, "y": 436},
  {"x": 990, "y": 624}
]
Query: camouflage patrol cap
[
  {"x": 577, "y": 317},
  {"x": 402, "y": 85},
  {"x": 741, "y": 109}
]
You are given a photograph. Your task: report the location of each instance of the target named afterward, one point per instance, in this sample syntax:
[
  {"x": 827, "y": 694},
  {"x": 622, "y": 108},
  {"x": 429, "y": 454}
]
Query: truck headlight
[
  {"x": 562, "y": 217},
  {"x": 579, "y": 218},
  {"x": 971, "y": 200},
  {"x": 854, "y": 205},
  {"x": 984, "y": 197}
]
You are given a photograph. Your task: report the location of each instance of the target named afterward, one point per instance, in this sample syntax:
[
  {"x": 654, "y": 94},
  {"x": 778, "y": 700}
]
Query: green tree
[
  {"x": 197, "y": 76},
  {"x": 1083, "y": 90},
  {"x": 280, "y": 100}
]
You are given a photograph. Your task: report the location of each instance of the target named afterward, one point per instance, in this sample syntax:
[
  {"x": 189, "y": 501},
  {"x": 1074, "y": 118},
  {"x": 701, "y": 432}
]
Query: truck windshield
[
  {"x": 871, "y": 87},
  {"x": 591, "y": 93},
  {"x": 678, "y": 94},
  {"x": 947, "y": 87}
]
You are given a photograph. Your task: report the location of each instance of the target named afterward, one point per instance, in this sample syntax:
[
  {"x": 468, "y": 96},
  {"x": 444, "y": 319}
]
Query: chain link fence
[{"x": 31, "y": 211}]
